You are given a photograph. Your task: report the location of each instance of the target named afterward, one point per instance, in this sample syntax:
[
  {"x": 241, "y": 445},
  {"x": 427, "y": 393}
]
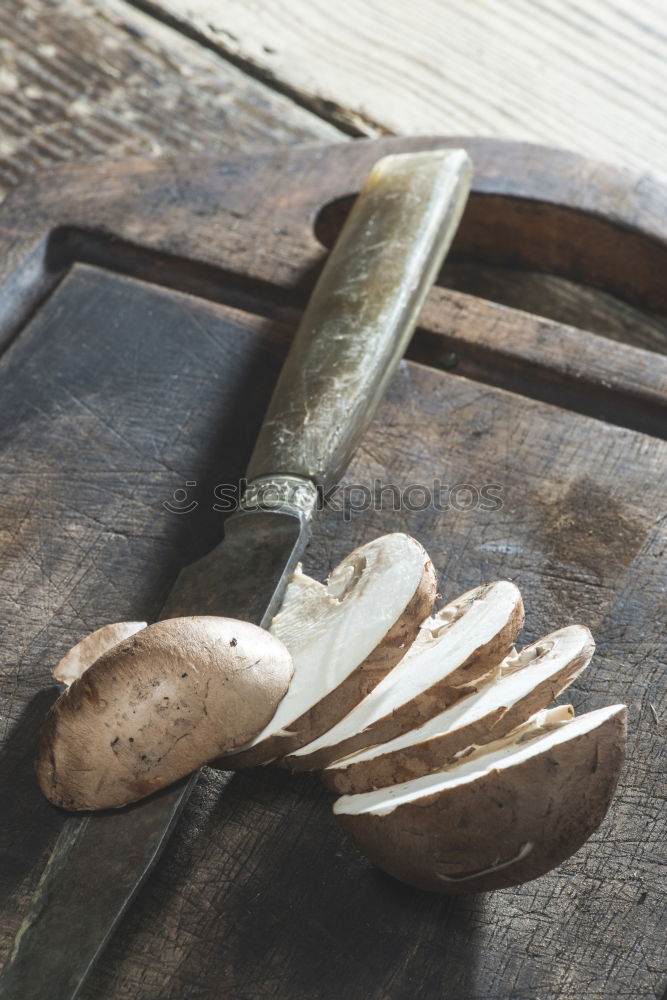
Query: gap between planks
[
  {"x": 591, "y": 78},
  {"x": 347, "y": 122}
]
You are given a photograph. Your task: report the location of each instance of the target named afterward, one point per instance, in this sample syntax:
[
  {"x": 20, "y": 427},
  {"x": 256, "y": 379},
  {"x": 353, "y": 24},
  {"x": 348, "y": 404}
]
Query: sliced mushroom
[
  {"x": 156, "y": 707},
  {"x": 542, "y": 722},
  {"x": 505, "y": 816},
  {"x": 528, "y": 681},
  {"x": 344, "y": 637},
  {"x": 75, "y": 662},
  {"x": 467, "y": 639}
]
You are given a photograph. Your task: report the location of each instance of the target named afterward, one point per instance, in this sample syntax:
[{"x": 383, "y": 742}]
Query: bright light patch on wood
[{"x": 589, "y": 77}]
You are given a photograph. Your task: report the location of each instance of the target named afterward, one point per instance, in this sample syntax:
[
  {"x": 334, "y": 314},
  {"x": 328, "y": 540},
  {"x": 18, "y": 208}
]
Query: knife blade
[{"x": 351, "y": 337}]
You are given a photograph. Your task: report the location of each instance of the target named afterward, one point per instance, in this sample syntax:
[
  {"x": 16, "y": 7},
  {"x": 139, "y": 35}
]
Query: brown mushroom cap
[
  {"x": 498, "y": 820},
  {"x": 156, "y": 707}
]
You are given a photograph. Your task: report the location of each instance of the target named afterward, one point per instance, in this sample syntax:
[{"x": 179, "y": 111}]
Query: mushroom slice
[
  {"x": 344, "y": 637},
  {"x": 83, "y": 655},
  {"x": 528, "y": 682},
  {"x": 156, "y": 707},
  {"x": 465, "y": 640},
  {"x": 503, "y": 817}
]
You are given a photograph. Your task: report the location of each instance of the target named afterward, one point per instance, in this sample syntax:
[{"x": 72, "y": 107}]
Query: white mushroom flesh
[
  {"x": 75, "y": 662},
  {"x": 519, "y": 674},
  {"x": 383, "y": 801},
  {"x": 445, "y": 642},
  {"x": 331, "y": 628}
]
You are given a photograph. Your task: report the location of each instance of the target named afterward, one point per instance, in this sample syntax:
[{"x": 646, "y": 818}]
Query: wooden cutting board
[{"x": 145, "y": 308}]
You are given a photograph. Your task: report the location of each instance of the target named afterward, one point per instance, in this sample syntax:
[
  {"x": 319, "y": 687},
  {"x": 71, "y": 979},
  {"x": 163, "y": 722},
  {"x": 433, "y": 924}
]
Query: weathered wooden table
[{"x": 146, "y": 308}]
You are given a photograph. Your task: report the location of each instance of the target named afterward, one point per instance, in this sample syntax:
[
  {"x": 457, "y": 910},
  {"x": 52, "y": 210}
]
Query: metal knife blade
[
  {"x": 352, "y": 335},
  {"x": 100, "y": 860}
]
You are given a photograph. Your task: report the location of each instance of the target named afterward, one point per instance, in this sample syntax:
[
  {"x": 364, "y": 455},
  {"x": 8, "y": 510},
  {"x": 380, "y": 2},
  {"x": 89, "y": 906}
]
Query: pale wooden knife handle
[{"x": 361, "y": 314}]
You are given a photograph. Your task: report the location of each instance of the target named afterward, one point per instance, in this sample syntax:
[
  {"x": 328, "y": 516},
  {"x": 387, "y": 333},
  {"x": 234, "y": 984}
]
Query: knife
[{"x": 352, "y": 335}]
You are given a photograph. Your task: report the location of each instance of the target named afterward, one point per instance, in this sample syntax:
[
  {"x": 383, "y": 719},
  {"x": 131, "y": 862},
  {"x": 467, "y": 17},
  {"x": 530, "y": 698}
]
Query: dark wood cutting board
[{"x": 145, "y": 309}]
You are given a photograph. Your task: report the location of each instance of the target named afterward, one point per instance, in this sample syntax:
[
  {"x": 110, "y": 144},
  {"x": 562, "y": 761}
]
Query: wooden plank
[
  {"x": 115, "y": 395},
  {"x": 259, "y": 894},
  {"x": 588, "y": 77},
  {"x": 86, "y": 78},
  {"x": 256, "y": 228},
  {"x": 561, "y": 300},
  {"x": 539, "y": 358}
]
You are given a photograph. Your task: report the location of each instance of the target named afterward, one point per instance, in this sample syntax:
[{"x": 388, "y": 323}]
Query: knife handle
[{"x": 361, "y": 314}]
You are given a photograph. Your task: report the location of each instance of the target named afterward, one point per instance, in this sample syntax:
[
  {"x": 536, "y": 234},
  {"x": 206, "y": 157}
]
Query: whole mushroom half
[
  {"x": 156, "y": 706},
  {"x": 498, "y": 818}
]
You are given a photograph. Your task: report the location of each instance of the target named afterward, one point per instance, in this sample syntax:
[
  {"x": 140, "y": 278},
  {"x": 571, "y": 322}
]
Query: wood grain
[
  {"x": 587, "y": 77},
  {"x": 561, "y": 300},
  {"x": 540, "y": 211},
  {"x": 82, "y": 79},
  {"x": 116, "y": 392},
  {"x": 259, "y": 894},
  {"x": 85, "y": 536},
  {"x": 538, "y": 357}
]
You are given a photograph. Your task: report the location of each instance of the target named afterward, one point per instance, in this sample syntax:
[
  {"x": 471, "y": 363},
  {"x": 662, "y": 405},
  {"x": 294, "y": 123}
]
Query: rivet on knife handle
[{"x": 361, "y": 314}]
